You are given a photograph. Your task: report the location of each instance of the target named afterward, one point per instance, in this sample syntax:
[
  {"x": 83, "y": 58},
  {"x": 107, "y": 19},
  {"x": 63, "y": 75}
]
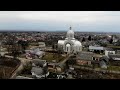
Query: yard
[
  {"x": 53, "y": 56},
  {"x": 7, "y": 66},
  {"x": 115, "y": 68}
]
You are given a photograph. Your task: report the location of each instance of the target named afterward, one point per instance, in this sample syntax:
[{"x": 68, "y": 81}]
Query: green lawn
[
  {"x": 111, "y": 46},
  {"x": 115, "y": 68},
  {"x": 51, "y": 56}
]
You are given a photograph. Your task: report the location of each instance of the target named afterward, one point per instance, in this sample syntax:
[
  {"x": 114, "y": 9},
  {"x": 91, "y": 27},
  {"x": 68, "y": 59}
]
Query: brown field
[
  {"x": 7, "y": 66},
  {"x": 53, "y": 56}
]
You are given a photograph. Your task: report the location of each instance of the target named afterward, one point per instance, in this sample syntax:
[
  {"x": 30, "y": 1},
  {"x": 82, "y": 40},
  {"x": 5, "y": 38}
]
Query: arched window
[{"x": 67, "y": 48}]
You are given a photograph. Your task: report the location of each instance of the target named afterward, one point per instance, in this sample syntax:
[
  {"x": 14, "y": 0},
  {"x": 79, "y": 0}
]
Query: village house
[
  {"x": 42, "y": 45},
  {"x": 39, "y": 69},
  {"x": 96, "y": 49},
  {"x": 34, "y": 53},
  {"x": 109, "y": 51},
  {"x": 114, "y": 59},
  {"x": 84, "y": 58}
]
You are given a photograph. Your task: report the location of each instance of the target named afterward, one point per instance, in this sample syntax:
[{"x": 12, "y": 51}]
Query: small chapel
[{"x": 70, "y": 44}]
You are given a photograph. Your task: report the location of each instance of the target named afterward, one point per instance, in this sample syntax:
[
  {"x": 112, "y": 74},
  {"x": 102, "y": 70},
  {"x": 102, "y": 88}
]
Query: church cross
[{"x": 70, "y": 27}]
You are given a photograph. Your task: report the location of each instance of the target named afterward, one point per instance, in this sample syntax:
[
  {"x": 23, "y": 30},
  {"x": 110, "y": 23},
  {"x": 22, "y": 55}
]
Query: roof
[
  {"x": 96, "y": 47},
  {"x": 104, "y": 58},
  {"x": 70, "y": 32},
  {"x": 37, "y": 70},
  {"x": 109, "y": 49},
  {"x": 77, "y": 43},
  {"x": 38, "y": 62},
  {"x": 97, "y": 55},
  {"x": 61, "y": 42},
  {"x": 35, "y": 51},
  {"x": 85, "y": 55},
  {"x": 42, "y": 43},
  {"x": 115, "y": 57}
]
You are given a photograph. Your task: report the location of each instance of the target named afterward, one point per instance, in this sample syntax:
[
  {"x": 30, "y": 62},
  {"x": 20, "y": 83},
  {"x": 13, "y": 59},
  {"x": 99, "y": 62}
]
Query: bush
[{"x": 27, "y": 69}]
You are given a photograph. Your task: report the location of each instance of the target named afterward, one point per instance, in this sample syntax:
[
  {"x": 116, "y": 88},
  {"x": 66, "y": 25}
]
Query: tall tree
[
  {"x": 83, "y": 39},
  {"x": 111, "y": 41},
  {"x": 24, "y": 45},
  {"x": 89, "y": 38},
  {"x": 13, "y": 48}
]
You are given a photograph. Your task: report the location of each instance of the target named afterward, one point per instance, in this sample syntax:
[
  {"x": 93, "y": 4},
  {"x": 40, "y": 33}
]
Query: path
[
  {"x": 63, "y": 62},
  {"x": 97, "y": 69},
  {"x": 23, "y": 62}
]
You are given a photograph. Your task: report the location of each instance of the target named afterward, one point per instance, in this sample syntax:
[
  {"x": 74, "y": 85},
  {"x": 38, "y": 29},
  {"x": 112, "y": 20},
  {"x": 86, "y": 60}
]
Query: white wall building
[
  {"x": 108, "y": 52},
  {"x": 42, "y": 45},
  {"x": 92, "y": 48},
  {"x": 70, "y": 44}
]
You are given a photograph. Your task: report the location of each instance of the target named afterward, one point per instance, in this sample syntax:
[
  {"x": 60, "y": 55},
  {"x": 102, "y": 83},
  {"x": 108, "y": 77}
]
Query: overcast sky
[{"x": 103, "y": 21}]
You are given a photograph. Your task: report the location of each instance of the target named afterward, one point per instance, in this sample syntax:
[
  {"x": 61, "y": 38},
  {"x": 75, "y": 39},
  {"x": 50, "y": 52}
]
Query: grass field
[
  {"x": 53, "y": 56},
  {"x": 112, "y": 46},
  {"x": 115, "y": 68}
]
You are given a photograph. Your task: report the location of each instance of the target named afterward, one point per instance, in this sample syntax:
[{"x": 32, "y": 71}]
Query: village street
[{"x": 21, "y": 66}]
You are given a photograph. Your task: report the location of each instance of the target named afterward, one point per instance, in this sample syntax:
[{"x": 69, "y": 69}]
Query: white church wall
[{"x": 70, "y": 44}]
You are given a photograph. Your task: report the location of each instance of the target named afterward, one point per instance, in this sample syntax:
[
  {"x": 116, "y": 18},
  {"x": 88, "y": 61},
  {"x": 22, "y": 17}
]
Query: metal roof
[
  {"x": 37, "y": 70},
  {"x": 39, "y": 62},
  {"x": 85, "y": 56},
  {"x": 96, "y": 47},
  {"x": 115, "y": 56}
]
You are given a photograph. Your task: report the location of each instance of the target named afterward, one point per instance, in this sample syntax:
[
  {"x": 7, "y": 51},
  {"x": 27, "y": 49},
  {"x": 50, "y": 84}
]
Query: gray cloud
[{"x": 81, "y": 21}]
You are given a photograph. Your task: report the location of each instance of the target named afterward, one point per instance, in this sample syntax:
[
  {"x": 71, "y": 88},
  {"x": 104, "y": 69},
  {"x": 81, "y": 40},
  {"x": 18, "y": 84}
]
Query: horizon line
[{"x": 55, "y": 31}]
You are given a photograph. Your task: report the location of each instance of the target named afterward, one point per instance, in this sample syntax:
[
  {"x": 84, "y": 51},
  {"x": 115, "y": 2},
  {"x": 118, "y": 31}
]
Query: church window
[{"x": 67, "y": 48}]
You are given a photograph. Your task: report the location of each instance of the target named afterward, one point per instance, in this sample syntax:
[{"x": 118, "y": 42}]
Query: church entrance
[{"x": 68, "y": 48}]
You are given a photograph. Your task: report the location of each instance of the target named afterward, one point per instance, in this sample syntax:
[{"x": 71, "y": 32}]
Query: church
[{"x": 70, "y": 44}]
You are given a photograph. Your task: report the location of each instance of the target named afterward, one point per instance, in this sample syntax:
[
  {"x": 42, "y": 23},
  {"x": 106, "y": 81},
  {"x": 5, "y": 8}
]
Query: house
[
  {"x": 40, "y": 63},
  {"x": 42, "y": 45},
  {"x": 114, "y": 59},
  {"x": 39, "y": 69},
  {"x": 96, "y": 57},
  {"x": 117, "y": 51},
  {"x": 109, "y": 51},
  {"x": 96, "y": 49},
  {"x": 84, "y": 58},
  {"x": 55, "y": 67},
  {"x": 30, "y": 54},
  {"x": 38, "y": 72},
  {"x": 90, "y": 59}
]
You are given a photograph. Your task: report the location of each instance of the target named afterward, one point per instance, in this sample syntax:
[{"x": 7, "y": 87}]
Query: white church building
[{"x": 70, "y": 44}]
